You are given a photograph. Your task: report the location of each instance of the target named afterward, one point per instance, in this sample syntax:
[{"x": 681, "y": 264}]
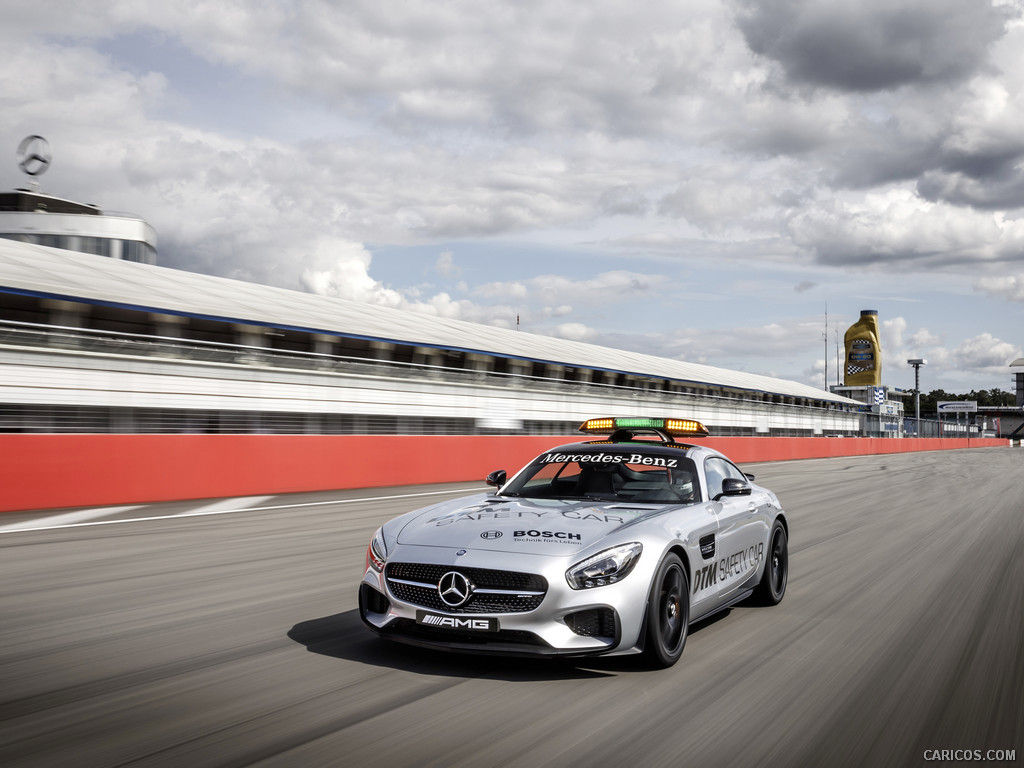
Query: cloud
[
  {"x": 922, "y": 339},
  {"x": 445, "y": 265},
  {"x": 985, "y": 353},
  {"x": 815, "y": 375},
  {"x": 897, "y": 229},
  {"x": 1002, "y": 191},
  {"x": 873, "y": 45},
  {"x": 559, "y": 311},
  {"x": 607, "y": 287},
  {"x": 718, "y": 200},
  {"x": 804, "y": 285},
  {"x": 428, "y": 128},
  {"x": 892, "y": 332},
  {"x": 748, "y": 348},
  {"x": 1010, "y": 287},
  {"x": 345, "y": 274},
  {"x": 574, "y": 332},
  {"x": 625, "y": 199}
]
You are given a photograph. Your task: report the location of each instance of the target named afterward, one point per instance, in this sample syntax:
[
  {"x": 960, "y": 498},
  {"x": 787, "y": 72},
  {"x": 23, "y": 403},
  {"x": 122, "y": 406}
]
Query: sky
[{"x": 716, "y": 181}]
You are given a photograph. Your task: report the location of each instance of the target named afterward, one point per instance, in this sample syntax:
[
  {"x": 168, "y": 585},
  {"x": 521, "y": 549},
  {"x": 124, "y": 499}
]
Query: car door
[{"x": 741, "y": 528}]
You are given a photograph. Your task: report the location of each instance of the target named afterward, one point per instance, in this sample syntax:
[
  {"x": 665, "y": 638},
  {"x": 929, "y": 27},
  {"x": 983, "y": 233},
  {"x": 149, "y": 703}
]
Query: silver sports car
[{"x": 611, "y": 546}]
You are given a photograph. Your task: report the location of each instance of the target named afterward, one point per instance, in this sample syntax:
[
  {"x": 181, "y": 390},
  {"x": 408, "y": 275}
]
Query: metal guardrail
[{"x": 939, "y": 428}]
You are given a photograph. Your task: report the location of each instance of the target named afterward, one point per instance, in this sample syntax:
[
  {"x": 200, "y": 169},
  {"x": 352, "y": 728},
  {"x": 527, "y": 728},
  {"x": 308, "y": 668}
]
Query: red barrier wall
[{"x": 51, "y": 471}]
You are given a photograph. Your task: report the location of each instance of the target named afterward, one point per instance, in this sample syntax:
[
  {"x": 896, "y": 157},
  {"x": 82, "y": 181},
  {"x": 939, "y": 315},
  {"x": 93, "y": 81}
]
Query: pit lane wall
[{"x": 39, "y": 471}]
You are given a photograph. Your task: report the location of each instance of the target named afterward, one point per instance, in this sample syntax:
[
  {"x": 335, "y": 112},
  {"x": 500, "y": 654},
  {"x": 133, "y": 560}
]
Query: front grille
[
  {"x": 513, "y": 592},
  {"x": 408, "y": 628}
]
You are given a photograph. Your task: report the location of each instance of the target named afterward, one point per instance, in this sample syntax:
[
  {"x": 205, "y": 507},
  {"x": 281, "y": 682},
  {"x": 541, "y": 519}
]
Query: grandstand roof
[{"x": 48, "y": 272}]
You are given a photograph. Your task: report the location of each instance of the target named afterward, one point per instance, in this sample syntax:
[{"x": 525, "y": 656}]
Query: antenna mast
[{"x": 825, "y": 337}]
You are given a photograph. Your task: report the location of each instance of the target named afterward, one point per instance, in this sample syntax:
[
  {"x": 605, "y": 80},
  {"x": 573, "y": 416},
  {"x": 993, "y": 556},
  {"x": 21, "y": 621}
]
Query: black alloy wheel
[
  {"x": 668, "y": 613},
  {"x": 772, "y": 588}
]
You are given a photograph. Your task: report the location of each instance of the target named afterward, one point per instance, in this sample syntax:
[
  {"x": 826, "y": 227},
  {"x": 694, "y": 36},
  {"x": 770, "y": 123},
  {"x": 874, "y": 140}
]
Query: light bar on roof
[{"x": 674, "y": 427}]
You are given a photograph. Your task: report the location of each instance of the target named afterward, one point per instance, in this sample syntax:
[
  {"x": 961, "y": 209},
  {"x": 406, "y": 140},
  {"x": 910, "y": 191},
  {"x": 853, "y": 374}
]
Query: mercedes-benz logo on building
[
  {"x": 491, "y": 535},
  {"x": 454, "y": 589},
  {"x": 34, "y": 155}
]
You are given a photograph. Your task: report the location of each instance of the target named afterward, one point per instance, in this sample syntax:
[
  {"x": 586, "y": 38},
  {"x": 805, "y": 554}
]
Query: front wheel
[
  {"x": 772, "y": 588},
  {"x": 668, "y": 613}
]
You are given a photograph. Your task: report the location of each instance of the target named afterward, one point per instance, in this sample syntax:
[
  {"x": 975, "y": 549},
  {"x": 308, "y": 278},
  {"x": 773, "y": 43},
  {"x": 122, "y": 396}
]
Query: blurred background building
[{"x": 95, "y": 337}]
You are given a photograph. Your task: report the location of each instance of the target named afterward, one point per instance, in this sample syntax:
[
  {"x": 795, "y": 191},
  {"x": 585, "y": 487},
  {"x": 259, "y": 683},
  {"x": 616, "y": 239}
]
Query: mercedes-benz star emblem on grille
[
  {"x": 454, "y": 589},
  {"x": 490, "y": 535}
]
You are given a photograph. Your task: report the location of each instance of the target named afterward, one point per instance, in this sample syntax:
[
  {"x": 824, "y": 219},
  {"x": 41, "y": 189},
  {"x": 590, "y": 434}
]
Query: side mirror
[
  {"x": 733, "y": 486},
  {"x": 496, "y": 478}
]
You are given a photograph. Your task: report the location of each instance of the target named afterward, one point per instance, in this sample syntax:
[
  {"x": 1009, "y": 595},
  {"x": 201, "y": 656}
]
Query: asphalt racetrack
[{"x": 200, "y": 634}]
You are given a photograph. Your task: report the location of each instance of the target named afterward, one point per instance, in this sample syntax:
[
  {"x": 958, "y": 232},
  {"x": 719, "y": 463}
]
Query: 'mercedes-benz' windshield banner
[{"x": 608, "y": 458}]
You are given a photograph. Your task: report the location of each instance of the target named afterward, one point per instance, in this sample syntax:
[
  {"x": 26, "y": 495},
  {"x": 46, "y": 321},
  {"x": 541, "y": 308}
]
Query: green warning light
[{"x": 640, "y": 423}]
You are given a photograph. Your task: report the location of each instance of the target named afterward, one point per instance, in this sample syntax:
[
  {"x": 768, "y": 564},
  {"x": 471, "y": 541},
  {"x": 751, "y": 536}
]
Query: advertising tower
[{"x": 863, "y": 352}]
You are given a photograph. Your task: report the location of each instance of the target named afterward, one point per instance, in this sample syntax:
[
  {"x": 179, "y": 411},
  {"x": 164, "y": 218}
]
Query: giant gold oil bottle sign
[{"x": 863, "y": 352}]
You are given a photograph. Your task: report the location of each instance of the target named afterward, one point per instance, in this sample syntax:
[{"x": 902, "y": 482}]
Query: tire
[
  {"x": 772, "y": 588},
  {"x": 668, "y": 613}
]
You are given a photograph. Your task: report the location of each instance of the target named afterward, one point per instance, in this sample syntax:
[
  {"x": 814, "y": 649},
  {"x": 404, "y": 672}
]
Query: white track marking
[
  {"x": 34, "y": 525},
  {"x": 225, "y": 505},
  {"x": 68, "y": 518}
]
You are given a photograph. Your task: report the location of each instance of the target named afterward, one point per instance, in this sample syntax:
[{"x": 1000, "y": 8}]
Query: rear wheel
[
  {"x": 668, "y": 613},
  {"x": 772, "y": 588}
]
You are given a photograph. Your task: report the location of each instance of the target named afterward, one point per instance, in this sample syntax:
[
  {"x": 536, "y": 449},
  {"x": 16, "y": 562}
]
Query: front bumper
[{"x": 567, "y": 622}]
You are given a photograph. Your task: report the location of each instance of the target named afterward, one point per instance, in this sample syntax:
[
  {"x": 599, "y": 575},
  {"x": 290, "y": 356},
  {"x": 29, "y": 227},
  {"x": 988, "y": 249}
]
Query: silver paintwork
[{"x": 485, "y": 527}]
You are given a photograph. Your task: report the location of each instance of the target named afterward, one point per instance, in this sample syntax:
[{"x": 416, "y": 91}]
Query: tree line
[{"x": 984, "y": 397}]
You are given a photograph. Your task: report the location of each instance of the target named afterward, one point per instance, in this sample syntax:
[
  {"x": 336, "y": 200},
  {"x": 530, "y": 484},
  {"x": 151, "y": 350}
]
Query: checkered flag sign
[
  {"x": 852, "y": 369},
  {"x": 879, "y": 395}
]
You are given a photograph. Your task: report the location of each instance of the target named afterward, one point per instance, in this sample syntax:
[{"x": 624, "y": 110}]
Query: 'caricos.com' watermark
[{"x": 961, "y": 755}]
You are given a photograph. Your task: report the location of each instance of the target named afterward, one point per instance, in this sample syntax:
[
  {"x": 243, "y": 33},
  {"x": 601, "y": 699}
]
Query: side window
[
  {"x": 716, "y": 473},
  {"x": 731, "y": 470},
  {"x": 717, "y": 470}
]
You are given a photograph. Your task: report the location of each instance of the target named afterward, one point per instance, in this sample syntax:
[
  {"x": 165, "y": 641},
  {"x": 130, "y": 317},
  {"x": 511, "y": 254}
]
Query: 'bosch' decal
[
  {"x": 547, "y": 535},
  {"x": 562, "y": 537}
]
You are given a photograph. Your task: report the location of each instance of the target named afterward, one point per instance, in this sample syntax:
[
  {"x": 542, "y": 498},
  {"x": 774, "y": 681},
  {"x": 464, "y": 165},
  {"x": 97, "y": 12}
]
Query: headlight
[
  {"x": 606, "y": 567},
  {"x": 376, "y": 553}
]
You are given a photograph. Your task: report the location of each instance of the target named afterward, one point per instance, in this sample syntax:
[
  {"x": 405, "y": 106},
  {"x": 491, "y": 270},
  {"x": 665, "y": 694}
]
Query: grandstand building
[{"x": 96, "y": 344}]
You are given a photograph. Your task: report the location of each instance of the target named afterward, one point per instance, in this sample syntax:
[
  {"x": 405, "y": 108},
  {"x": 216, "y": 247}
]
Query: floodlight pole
[{"x": 917, "y": 363}]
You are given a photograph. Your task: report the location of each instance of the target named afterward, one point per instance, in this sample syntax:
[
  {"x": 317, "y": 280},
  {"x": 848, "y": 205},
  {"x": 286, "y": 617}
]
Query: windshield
[{"x": 647, "y": 477}]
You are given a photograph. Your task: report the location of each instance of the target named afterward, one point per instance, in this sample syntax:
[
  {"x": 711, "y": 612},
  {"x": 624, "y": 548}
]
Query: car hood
[{"x": 537, "y": 526}]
